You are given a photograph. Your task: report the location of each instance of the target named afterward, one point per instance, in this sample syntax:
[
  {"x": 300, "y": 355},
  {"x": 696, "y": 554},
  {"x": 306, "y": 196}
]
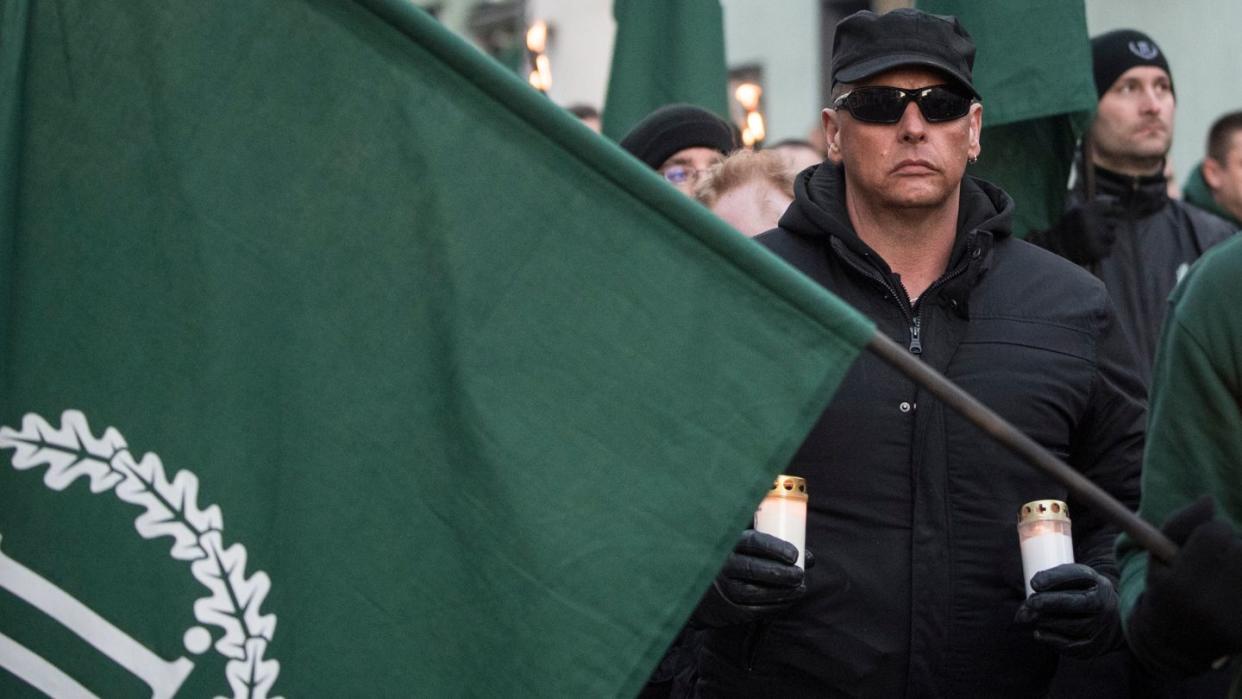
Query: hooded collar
[
  {"x": 984, "y": 216},
  {"x": 818, "y": 210}
]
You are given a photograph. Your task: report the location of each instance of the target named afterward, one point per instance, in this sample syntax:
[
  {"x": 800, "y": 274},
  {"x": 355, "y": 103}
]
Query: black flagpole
[{"x": 1011, "y": 438}]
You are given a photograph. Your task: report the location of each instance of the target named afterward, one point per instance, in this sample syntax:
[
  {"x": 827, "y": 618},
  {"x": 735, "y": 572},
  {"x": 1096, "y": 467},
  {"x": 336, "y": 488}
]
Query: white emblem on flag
[{"x": 170, "y": 508}]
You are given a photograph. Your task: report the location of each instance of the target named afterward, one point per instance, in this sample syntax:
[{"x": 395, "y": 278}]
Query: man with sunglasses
[
  {"x": 680, "y": 141},
  {"x": 918, "y": 590}
]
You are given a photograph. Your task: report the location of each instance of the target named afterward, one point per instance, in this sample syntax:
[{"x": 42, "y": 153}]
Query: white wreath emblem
[{"x": 171, "y": 509}]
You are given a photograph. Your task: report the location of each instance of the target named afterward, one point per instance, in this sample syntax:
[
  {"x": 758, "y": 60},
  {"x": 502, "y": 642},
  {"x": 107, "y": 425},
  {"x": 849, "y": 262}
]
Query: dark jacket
[
  {"x": 1157, "y": 240},
  {"x": 916, "y": 505}
]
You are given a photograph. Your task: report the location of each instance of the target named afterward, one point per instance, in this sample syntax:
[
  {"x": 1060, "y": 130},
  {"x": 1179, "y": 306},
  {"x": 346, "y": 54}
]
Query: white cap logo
[{"x": 1144, "y": 50}]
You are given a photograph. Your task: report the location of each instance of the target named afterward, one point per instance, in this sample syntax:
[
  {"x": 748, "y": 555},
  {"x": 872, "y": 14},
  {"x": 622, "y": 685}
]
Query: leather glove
[
  {"x": 1085, "y": 233},
  {"x": 1191, "y": 611},
  {"x": 1074, "y": 610},
  {"x": 758, "y": 579}
]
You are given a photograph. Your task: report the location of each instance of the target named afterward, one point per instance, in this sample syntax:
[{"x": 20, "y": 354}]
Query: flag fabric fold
[
  {"x": 1033, "y": 68},
  {"x": 336, "y": 361},
  {"x": 665, "y": 53}
]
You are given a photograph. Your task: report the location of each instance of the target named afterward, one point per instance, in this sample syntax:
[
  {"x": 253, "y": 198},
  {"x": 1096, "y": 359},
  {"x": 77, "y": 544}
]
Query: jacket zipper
[{"x": 913, "y": 317}]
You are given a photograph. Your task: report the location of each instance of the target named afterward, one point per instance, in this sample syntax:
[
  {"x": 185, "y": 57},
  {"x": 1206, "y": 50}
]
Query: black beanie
[
  {"x": 1115, "y": 52},
  {"x": 676, "y": 127}
]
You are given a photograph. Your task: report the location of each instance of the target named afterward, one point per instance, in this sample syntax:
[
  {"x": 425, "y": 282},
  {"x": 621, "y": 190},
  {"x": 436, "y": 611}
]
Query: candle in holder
[
  {"x": 1044, "y": 536},
  {"x": 783, "y": 513}
]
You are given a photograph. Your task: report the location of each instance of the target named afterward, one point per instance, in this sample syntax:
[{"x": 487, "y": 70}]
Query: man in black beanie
[
  {"x": 1120, "y": 223},
  {"x": 680, "y": 141}
]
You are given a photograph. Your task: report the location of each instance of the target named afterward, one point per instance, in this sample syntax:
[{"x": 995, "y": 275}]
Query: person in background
[
  {"x": 749, "y": 190},
  {"x": 798, "y": 154},
  {"x": 1185, "y": 616},
  {"x": 1216, "y": 183},
  {"x": 919, "y": 589},
  {"x": 587, "y": 115},
  {"x": 1120, "y": 223},
  {"x": 681, "y": 141}
]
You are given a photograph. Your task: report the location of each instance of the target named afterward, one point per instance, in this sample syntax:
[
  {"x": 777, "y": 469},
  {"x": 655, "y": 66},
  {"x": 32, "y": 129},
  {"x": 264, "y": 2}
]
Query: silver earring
[{"x": 972, "y": 159}]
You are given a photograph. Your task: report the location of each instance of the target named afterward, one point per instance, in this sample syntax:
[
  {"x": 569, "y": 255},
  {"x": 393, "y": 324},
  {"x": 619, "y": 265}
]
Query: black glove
[
  {"x": 758, "y": 579},
  {"x": 1085, "y": 233},
  {"x": 1191, "y": 612},
  {"x": 1074, "y": 609}
]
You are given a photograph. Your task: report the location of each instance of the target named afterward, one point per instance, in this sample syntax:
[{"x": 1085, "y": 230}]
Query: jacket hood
[{"x": 818, "y": 209}]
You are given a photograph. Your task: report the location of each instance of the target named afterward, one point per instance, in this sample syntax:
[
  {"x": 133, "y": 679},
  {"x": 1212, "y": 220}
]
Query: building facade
[{"x": 785, "y": 46}]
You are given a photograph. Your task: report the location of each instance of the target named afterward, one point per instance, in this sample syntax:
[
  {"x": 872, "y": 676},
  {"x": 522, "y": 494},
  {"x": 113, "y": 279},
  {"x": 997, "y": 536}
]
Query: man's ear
[
  {"x": 1212, "y": 174},
  {"x": 976, "y": 127},
  {"x": 832, "y": 133}
]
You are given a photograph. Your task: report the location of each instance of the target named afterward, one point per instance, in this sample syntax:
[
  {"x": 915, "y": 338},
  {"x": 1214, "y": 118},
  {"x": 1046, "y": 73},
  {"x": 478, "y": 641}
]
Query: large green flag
[
  {"x": 665, "y": 52},
  {"x": 1033, "y": 68},
  {"x": 335, "y": 361}
]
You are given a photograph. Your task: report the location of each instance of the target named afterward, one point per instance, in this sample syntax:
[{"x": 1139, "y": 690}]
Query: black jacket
[
  {"x": 915, "y": 504},
  {"x": 1157, "y": 240}
]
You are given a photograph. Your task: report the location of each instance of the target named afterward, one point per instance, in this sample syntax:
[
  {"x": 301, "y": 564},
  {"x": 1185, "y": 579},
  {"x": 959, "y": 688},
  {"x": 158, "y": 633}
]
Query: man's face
[
  {"x": 1225, "y": 179},
  {"x": 753, "y": 207},
  {"x": 684, "y": 167},
  {"x": 1133, "y": 126},
  {"x": 912, "y": 163}
]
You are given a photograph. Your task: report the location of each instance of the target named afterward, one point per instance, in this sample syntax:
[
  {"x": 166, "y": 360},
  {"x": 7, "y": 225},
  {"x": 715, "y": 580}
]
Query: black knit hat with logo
[
  {"x": 1115, "y": 52},
  {"x": 677, "y": 127}
]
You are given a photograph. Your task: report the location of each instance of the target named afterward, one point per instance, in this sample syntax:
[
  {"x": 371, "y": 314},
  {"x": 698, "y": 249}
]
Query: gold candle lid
[
  {"x": 788, "y": 487},
  {"x": 1044, "y": 510}
]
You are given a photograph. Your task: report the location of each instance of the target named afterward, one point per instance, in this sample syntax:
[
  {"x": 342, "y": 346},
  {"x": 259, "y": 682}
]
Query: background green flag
[
  {"x": 1033, "y": 68},
  {"x": 335, "y": 361},
  {"x": 665, "y": 52}
]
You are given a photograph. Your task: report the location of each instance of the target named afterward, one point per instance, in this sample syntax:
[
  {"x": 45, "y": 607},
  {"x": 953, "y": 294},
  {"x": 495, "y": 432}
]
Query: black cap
[
  {"x": 676, "y": 127},
  {"x": 1115, "y": 52},
  {"x": 867, "y": 44}
]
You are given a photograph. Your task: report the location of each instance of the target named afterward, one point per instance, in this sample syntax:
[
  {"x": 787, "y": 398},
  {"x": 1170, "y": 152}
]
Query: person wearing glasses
[
  {"x": 681, "y": 141},
  {"x": 749, "y": 190},
  {"x": 918, "y": 589}
]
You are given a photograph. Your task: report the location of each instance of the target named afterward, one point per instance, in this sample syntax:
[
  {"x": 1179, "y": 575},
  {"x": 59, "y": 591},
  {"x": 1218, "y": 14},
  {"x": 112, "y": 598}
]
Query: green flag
[
  {"x": 665, "y": 52},
  {"x": 335, "y": 361},
  {"x": 1033, "y": 68}
]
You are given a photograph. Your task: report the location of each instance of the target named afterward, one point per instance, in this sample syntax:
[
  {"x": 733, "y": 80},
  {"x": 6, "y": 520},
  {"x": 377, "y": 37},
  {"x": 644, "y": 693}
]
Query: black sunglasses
[{"x": 885, "y": 105}]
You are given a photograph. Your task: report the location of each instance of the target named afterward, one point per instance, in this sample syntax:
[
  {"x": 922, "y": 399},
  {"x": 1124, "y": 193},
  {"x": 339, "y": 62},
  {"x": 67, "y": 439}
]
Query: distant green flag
[
  {"x": 1033, "y": 68},
  {"x": 337, "y": 362},
  {"x": 665, "y": 52}
]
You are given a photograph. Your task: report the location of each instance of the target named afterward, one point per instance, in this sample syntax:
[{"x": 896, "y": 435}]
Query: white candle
[
  {"x": 1044, "y": 537},
  {"x": 783, "y": 513}
]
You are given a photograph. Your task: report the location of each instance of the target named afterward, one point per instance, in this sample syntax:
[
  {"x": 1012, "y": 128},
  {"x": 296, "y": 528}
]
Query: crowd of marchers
[{"x": 1109, "y": 338}]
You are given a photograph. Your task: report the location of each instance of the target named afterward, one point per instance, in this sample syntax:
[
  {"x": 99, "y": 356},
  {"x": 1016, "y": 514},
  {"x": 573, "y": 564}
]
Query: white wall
[
  {"x": 1201, "y": 40},
  {"x": 580, "y": 49},
  {"x": 782, "y": 37}
]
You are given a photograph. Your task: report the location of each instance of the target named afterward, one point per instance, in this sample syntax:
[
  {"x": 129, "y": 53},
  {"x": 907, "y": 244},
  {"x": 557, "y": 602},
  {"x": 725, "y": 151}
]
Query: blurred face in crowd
[
  {"x": 1225, "y": 178},
  {"x": 753, "y": 207},
  {"x": 799, "y": 157},
  {"x": 592, "y": 123},
  {"x": 913, "y": 163},
  {"x": 1133, "y": 126},
  {"x": 684, "y": 167}
]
